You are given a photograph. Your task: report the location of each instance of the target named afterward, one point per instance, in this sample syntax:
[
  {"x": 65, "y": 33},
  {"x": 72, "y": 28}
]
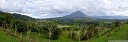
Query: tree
[
  {"x": 21, "y": 26},
  {"x": 89, "y": 34},
  {"x": 117, "y": 23},
  {"x": 51, "y": 30},
  {"x": 6, "y": 20},
  {"x": 55, "y": 33}
]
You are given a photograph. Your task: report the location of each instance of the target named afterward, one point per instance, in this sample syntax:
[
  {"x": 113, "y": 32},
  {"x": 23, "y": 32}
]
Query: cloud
[{"x": 58, "y": 8}]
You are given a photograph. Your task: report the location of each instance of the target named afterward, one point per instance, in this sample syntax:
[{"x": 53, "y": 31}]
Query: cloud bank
[{"x": 58, "y": 8}]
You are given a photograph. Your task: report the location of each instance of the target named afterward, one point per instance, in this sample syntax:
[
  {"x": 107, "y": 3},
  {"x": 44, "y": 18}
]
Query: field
[
  {"x": 4, "y": 37},
  {"x": 121, "y": 34}
]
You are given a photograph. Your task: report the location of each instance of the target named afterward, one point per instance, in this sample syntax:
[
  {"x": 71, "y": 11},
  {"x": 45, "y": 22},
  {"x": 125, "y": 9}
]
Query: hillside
[
  {"x": 21, "y": 17},
  {"x": 18, "y": 16},
  {"x": 121, "y": 34},
  {"x": 110, "y": 17},
  {"x": 4, "y": 37}
]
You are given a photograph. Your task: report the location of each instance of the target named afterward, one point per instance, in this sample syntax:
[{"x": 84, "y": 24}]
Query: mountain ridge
[
  {"x": 18, "y": 16},
  {"x": 77, "y": 14}
]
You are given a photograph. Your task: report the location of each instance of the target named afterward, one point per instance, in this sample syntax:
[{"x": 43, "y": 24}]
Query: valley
[{"x": 70, "y": 28}]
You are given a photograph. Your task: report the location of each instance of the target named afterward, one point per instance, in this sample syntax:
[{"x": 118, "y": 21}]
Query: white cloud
[{"x": 56, "y": 8}]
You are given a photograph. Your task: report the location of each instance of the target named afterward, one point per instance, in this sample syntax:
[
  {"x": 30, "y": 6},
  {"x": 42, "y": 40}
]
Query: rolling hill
[{"x": 18, "y": 16}]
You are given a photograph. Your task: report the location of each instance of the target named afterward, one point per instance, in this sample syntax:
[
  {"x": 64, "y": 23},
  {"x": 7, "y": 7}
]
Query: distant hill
[
  {"x": 83, "y": 18},
  {"x": 18, "y": 16},
  {"x": 77, "y": 16},
  {"x": 21, "y": 17},
  {"x": 110, "y": 17}
]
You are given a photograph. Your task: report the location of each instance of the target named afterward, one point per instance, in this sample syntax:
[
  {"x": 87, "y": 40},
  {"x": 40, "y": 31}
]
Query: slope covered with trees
[{"x": 27, "y": 29}]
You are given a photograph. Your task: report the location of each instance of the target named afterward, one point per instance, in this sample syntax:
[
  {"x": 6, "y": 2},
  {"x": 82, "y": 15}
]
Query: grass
[
  {"x": 6, "y": 38},
  {"x": 42, "y": 38},
  {"x": 121, "y": 34}
]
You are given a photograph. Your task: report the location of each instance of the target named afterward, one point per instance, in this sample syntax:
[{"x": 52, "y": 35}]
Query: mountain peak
[{"x": 77, "y": 14}]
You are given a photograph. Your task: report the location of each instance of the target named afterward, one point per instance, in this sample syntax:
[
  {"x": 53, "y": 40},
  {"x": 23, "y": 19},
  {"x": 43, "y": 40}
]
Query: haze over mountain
[
  {"x": 79, "y": 14},
  {"x": 110, "y": 17}
]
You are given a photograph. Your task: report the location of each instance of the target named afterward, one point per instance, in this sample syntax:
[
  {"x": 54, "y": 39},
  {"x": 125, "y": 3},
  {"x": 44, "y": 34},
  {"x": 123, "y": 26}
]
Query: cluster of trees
[
  {"x": 6, "y": 20},
  {"x": 50, "y": 29},
  {"x": 23, "y": 25},
  {"x": 92, "y": 30}
]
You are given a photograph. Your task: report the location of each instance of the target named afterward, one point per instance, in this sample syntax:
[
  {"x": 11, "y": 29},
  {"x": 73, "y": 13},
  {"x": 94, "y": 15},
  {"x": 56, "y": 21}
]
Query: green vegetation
[
  {"x": 18, "y": 29},
  {"x": 4, "y": 37},
  {"x": 114, "y": 35}
]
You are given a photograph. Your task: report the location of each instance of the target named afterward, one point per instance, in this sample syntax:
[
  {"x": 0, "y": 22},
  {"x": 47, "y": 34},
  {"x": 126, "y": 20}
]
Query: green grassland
[
  {"x": 121, "y": 34},
  {"x": 4, "y": 37}
]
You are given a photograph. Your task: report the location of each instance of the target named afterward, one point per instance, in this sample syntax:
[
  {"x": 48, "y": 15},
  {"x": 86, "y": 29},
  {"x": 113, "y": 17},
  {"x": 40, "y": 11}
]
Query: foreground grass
[
  {"x": 121, "y": 34},
  {"x": 4, "y": 37},
  {"x": 43, "y": 38},
  {"x": 116, "y": 34}
]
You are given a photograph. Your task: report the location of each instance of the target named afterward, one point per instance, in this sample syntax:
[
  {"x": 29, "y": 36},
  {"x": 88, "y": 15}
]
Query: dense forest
[{"x": 26, "y": 29}]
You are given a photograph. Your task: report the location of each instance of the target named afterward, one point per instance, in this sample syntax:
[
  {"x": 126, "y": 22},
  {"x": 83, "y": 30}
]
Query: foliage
[
  {"x": 50, "y": 29},
  {"x": 20, "y": 26},
  {"x": 117, "y": 23},
  {"x": 76, "y": 27},
  {"x": 6, "y": 20}
]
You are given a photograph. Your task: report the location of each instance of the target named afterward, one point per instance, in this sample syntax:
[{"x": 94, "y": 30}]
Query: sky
[{"x": 59, "y": 8}]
